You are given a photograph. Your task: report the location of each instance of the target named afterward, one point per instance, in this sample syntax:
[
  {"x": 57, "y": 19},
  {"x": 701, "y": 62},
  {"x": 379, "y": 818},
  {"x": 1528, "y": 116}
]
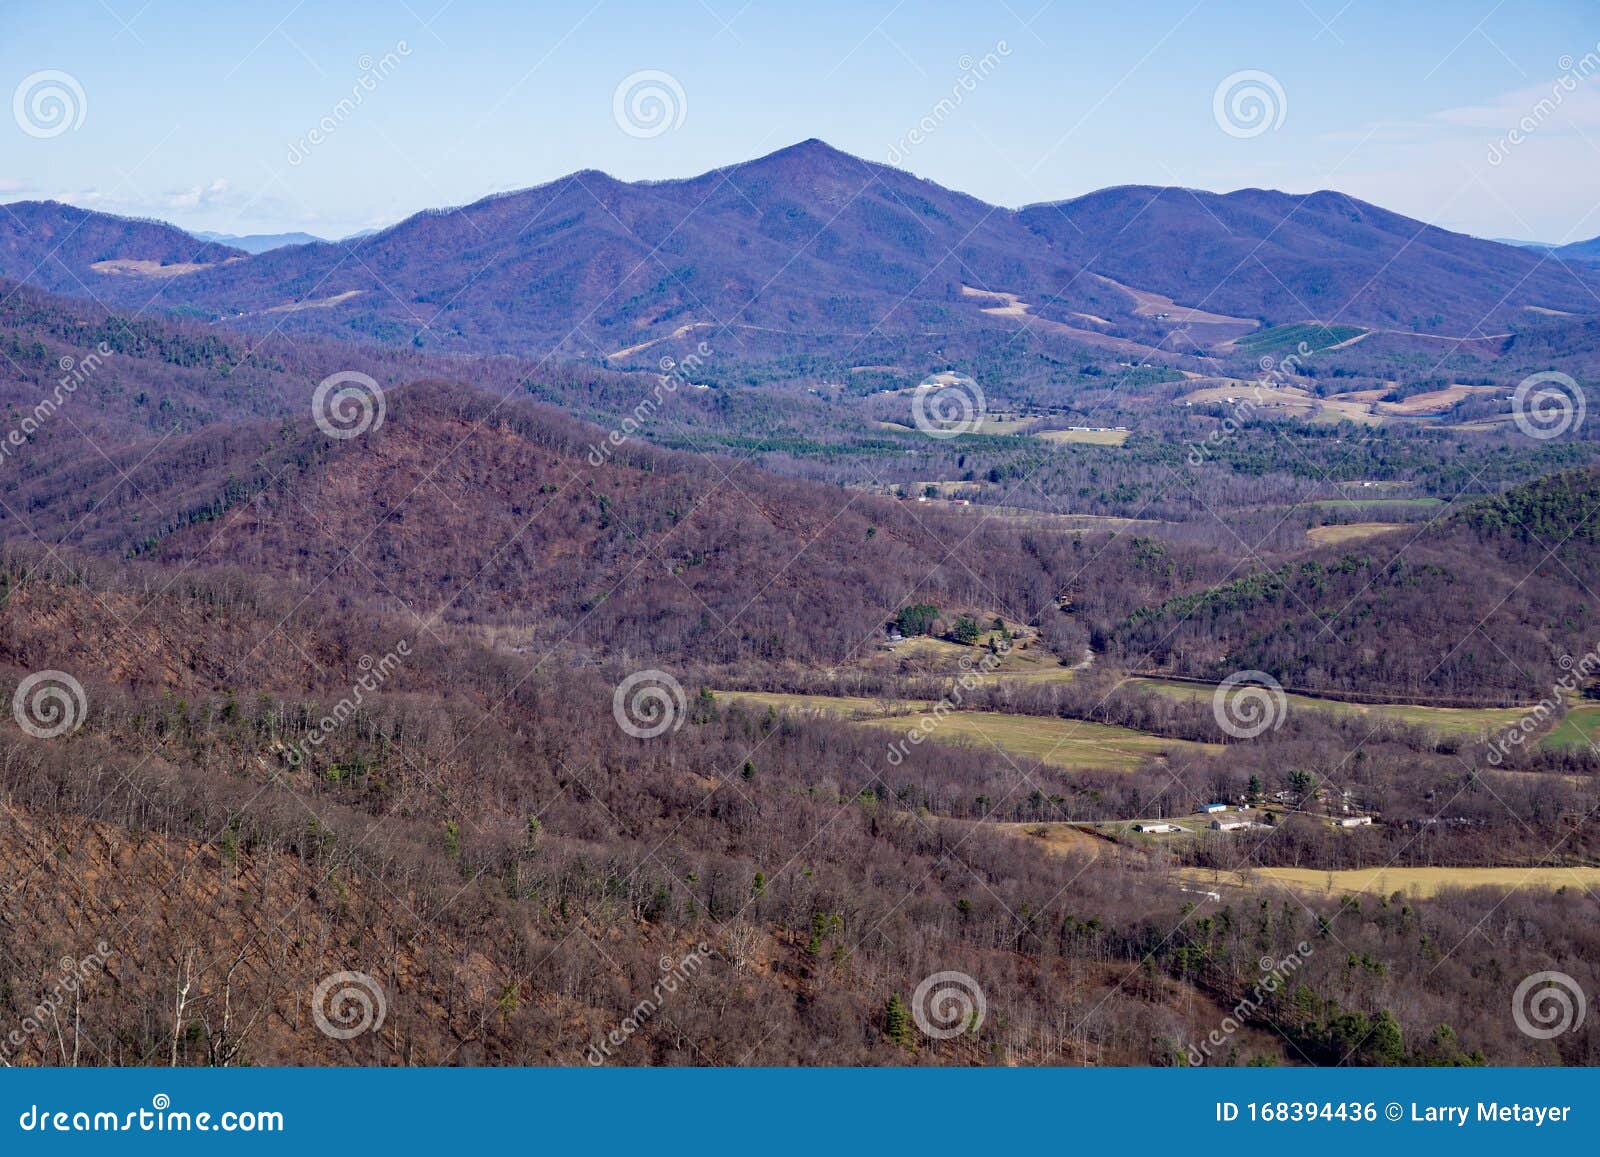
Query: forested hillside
[{"x": 1491, "y": 604}]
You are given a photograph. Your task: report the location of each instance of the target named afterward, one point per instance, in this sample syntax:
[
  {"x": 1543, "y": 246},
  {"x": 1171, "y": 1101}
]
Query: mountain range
[
  {"x": 812, "y": 249},
  {"x": 260, "y": 242}
]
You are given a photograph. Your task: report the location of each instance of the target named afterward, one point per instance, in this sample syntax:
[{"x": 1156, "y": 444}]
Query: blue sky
[{"x": 201, "y": 114}]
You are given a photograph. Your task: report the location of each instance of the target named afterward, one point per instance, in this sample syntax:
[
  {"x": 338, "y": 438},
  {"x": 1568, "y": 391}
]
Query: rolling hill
[
  {"x": 260, "y": 242},
  {"x": 465, "y": 507},
  {"x": 1323, "y": 256},
  {"x": 1490, "y": 604},
  {"x": 1580, "y": 250},
  {"x": 69, "y": 250}
]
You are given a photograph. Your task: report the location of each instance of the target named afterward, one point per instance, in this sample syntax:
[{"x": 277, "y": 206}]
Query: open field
[
  {"x": 1028, "y": 516},
  {"x": 1013, "y": 307},
  {"x": 1288, "y": 337},
  {"x": 1003, "y": 424},
  {"x": 136, "y": 267},
  {"x": 314, "y": 303},
  {"x": 1336, "y": 410},
  {"x": 1257, "y": 395},
  {"x": 844, "y": 706},
  {"x": 1414, "y": 881},
  {"x": 1069, "y": 743},
  {"x": 1053, "y": 838},
  {"x": 1349, "y": 532},
  {"x": 1147, "y": 303},
  {"x": 1085, "y": 437},
  {"x": 1024, "y": 515},
  {"x": 1434, "y": 402},
  {"x": 1364, "y": 407},
  {"x": 1579, "y": 728},
  {"x": 1452, "y": 720},
  {"x": 1363, "y": 503},
  {"x": 1026, "y": 660}
]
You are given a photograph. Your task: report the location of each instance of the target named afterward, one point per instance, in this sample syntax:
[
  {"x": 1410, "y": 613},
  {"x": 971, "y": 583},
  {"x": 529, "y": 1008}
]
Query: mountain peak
[{"x": 812, "y": 154}]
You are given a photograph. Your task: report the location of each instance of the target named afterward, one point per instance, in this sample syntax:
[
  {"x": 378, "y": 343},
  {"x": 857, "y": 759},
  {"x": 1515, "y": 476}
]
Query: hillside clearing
[
  {"x": 1335, "y": 534},
  {"x": 1579, "y": 728},
  {"x": 1068, "y": 743},
  {"x": 1422, "y": 882},
  {"x": 1450, "y": 720},
  {"x": 1098, "y": 437}
]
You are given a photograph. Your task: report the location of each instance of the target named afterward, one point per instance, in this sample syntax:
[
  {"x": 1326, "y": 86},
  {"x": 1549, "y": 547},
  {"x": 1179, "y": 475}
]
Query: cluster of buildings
[{"x": 1243, "y": 817}]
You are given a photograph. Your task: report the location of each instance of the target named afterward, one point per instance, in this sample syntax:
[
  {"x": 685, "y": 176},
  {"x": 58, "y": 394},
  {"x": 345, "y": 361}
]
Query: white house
[
  {"x": 1214, "y": 807},
  {"x": 1157, "y": 828},
  {"x": 1353, "y": 821},
  {"x": 1230, "y": 825}
]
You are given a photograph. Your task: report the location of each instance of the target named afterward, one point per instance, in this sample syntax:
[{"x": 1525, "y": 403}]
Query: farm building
[{"x": 1215, "y": 807}]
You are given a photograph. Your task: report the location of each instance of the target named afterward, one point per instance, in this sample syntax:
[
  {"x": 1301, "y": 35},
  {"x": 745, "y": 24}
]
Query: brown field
[
  {"x": 1450, "y": 720},
  {"x": 1343, "y": 410},
  {"x": 130, "y": 267},
  {"x": 1414, "y": 881},
  {"x": 1068, "y": 743},
  {"x": 1003, "y": 423},
  {"x": 1148, "y": 304},
  {"x": 1349, "y": 532},
  {"x": 1435, "y": 402},
  {"x": 1012, "y": 306},
  {"x": 1053, "y": 838},
  {"x": 844, "y": 706},
  {"x": 1292, "y": 399},
  {"x": 1364, "y": 407},
  {"x": 1085, "y": 437},
  {"x": 677, "y": 333},
  {"x": 314, "y": 303}
]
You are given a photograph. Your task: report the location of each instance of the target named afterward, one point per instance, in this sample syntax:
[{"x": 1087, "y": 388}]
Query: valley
[{"x": 808, "y": 563}]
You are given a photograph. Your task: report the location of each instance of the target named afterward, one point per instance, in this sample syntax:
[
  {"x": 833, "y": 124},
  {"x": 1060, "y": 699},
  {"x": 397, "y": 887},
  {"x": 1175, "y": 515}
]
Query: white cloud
[
  {"x": 1570, "y": 102},
  {"x": 200, "y": 197}
]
